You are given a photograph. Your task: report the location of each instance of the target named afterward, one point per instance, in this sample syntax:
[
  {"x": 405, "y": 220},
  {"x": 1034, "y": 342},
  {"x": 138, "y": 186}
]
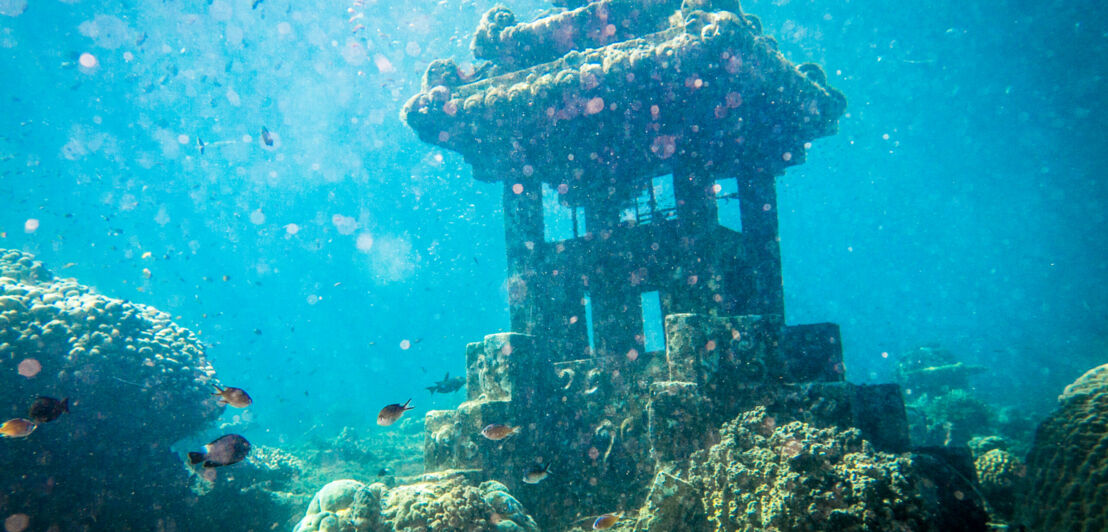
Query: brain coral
[
  {"x": 999, "y": 474},
  {"x": 452, "y": 503},
  {"x": 344, "y": 506},
  {"x": 793, "y": 476},
  {"x": 109, "y": 355},
  {"x": 1068, "y": 463},
  {"x": 136, "y": 381},
  {"x": 440, "y": 501}
]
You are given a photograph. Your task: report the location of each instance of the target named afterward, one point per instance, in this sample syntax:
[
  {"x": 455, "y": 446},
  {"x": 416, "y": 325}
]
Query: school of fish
[{"x": 231, "y": 449}]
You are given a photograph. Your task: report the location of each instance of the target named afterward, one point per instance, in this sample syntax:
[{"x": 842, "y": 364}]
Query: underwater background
[{"x": 345, "y": 266}]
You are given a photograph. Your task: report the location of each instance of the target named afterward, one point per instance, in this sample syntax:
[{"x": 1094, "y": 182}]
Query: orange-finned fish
[
  {"x": 606, "y": 521},
  {"x": 498, "y": 432},
  {"x": 236, "y": 397},
  {"x": 391, "y": 413},
  {"x": 17, "y": 428}
]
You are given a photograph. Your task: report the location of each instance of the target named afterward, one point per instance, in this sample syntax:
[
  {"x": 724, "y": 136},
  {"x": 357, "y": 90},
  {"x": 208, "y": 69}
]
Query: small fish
[
  {"x": 17, "y": 428},
  {"x": 447, "y": 385},
  {"x": 200, "y": 144},
  {"x": 133, "y": 383},
  {"x": 266, "y": 137},
  {"x": 537, "y": 473},
  {"x": 236, "y": 397},
  {"x": 391, "y": 413},
  {"x": 382, "y": 472},
  {"x": 225, "y": 450},
  {"x": 498, "y": 432},
  {"x": 606, "y": 521},
  {"x": 47, "y": 409}
]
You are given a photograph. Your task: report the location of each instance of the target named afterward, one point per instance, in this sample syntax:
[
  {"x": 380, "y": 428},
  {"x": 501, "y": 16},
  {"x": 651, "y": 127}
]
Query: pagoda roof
[{"x": 708, "y": 92}]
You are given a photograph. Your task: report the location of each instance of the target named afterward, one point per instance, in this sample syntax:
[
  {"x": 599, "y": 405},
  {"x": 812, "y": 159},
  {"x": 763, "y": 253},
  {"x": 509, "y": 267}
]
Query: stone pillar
[
  {"x": 697, "y": 221},
  {"x": 677, "y": 420},
  {"x": 617, "y": 317},
  {"x": 813, "y": 353},
  {"x": 696, "y": 201},
  {"x": 616, "y": 308},
  {"x": 758, "y": 203},
  {"x": 523, "y": 233}
]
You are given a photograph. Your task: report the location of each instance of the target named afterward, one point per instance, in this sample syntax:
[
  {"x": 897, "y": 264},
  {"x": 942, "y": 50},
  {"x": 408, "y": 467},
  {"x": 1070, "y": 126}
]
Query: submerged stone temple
[{"x": 620, "y": 131}]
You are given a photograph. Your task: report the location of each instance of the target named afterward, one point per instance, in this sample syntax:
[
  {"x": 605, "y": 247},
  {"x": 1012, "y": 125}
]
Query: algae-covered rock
[
  {"x": 1066, "y": 488},
  {"x": 671, "y": 503},
  {"x": 793, "y": 476}
]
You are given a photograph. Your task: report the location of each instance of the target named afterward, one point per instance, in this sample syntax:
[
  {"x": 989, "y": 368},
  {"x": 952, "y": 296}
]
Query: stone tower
[{"x": 597, "y": 111}]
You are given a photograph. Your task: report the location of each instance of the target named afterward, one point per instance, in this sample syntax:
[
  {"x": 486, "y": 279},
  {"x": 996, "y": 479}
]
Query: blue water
[{"x": 962, "y": 201}]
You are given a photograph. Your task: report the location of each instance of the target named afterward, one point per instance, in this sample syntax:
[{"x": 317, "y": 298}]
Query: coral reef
[
  {"x": 273, "y": 486},
  {"x": 792, "y": 476},
  {"x": 606, "y": 447},
  {"x": 449, "y": 502},
  {"x": 137, "y": 383},
  {"x": 344, "y": 505},
  {"x": 1067, "y": 463},
  {"x": 952, "y": 418},
  {"x": 261, "y": 493},
  {"x": 1088, "y": 385},
  {"x": 980, "y": 445},
  {"x": 1000, "y": 475},
  {"x": 443, "y": 501},
  {"x": 942, "y": 411},
  {"x": 361, "y": 454},
  {"x": 933, "y": 370},
  {"x": 106, "y": 353}
]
